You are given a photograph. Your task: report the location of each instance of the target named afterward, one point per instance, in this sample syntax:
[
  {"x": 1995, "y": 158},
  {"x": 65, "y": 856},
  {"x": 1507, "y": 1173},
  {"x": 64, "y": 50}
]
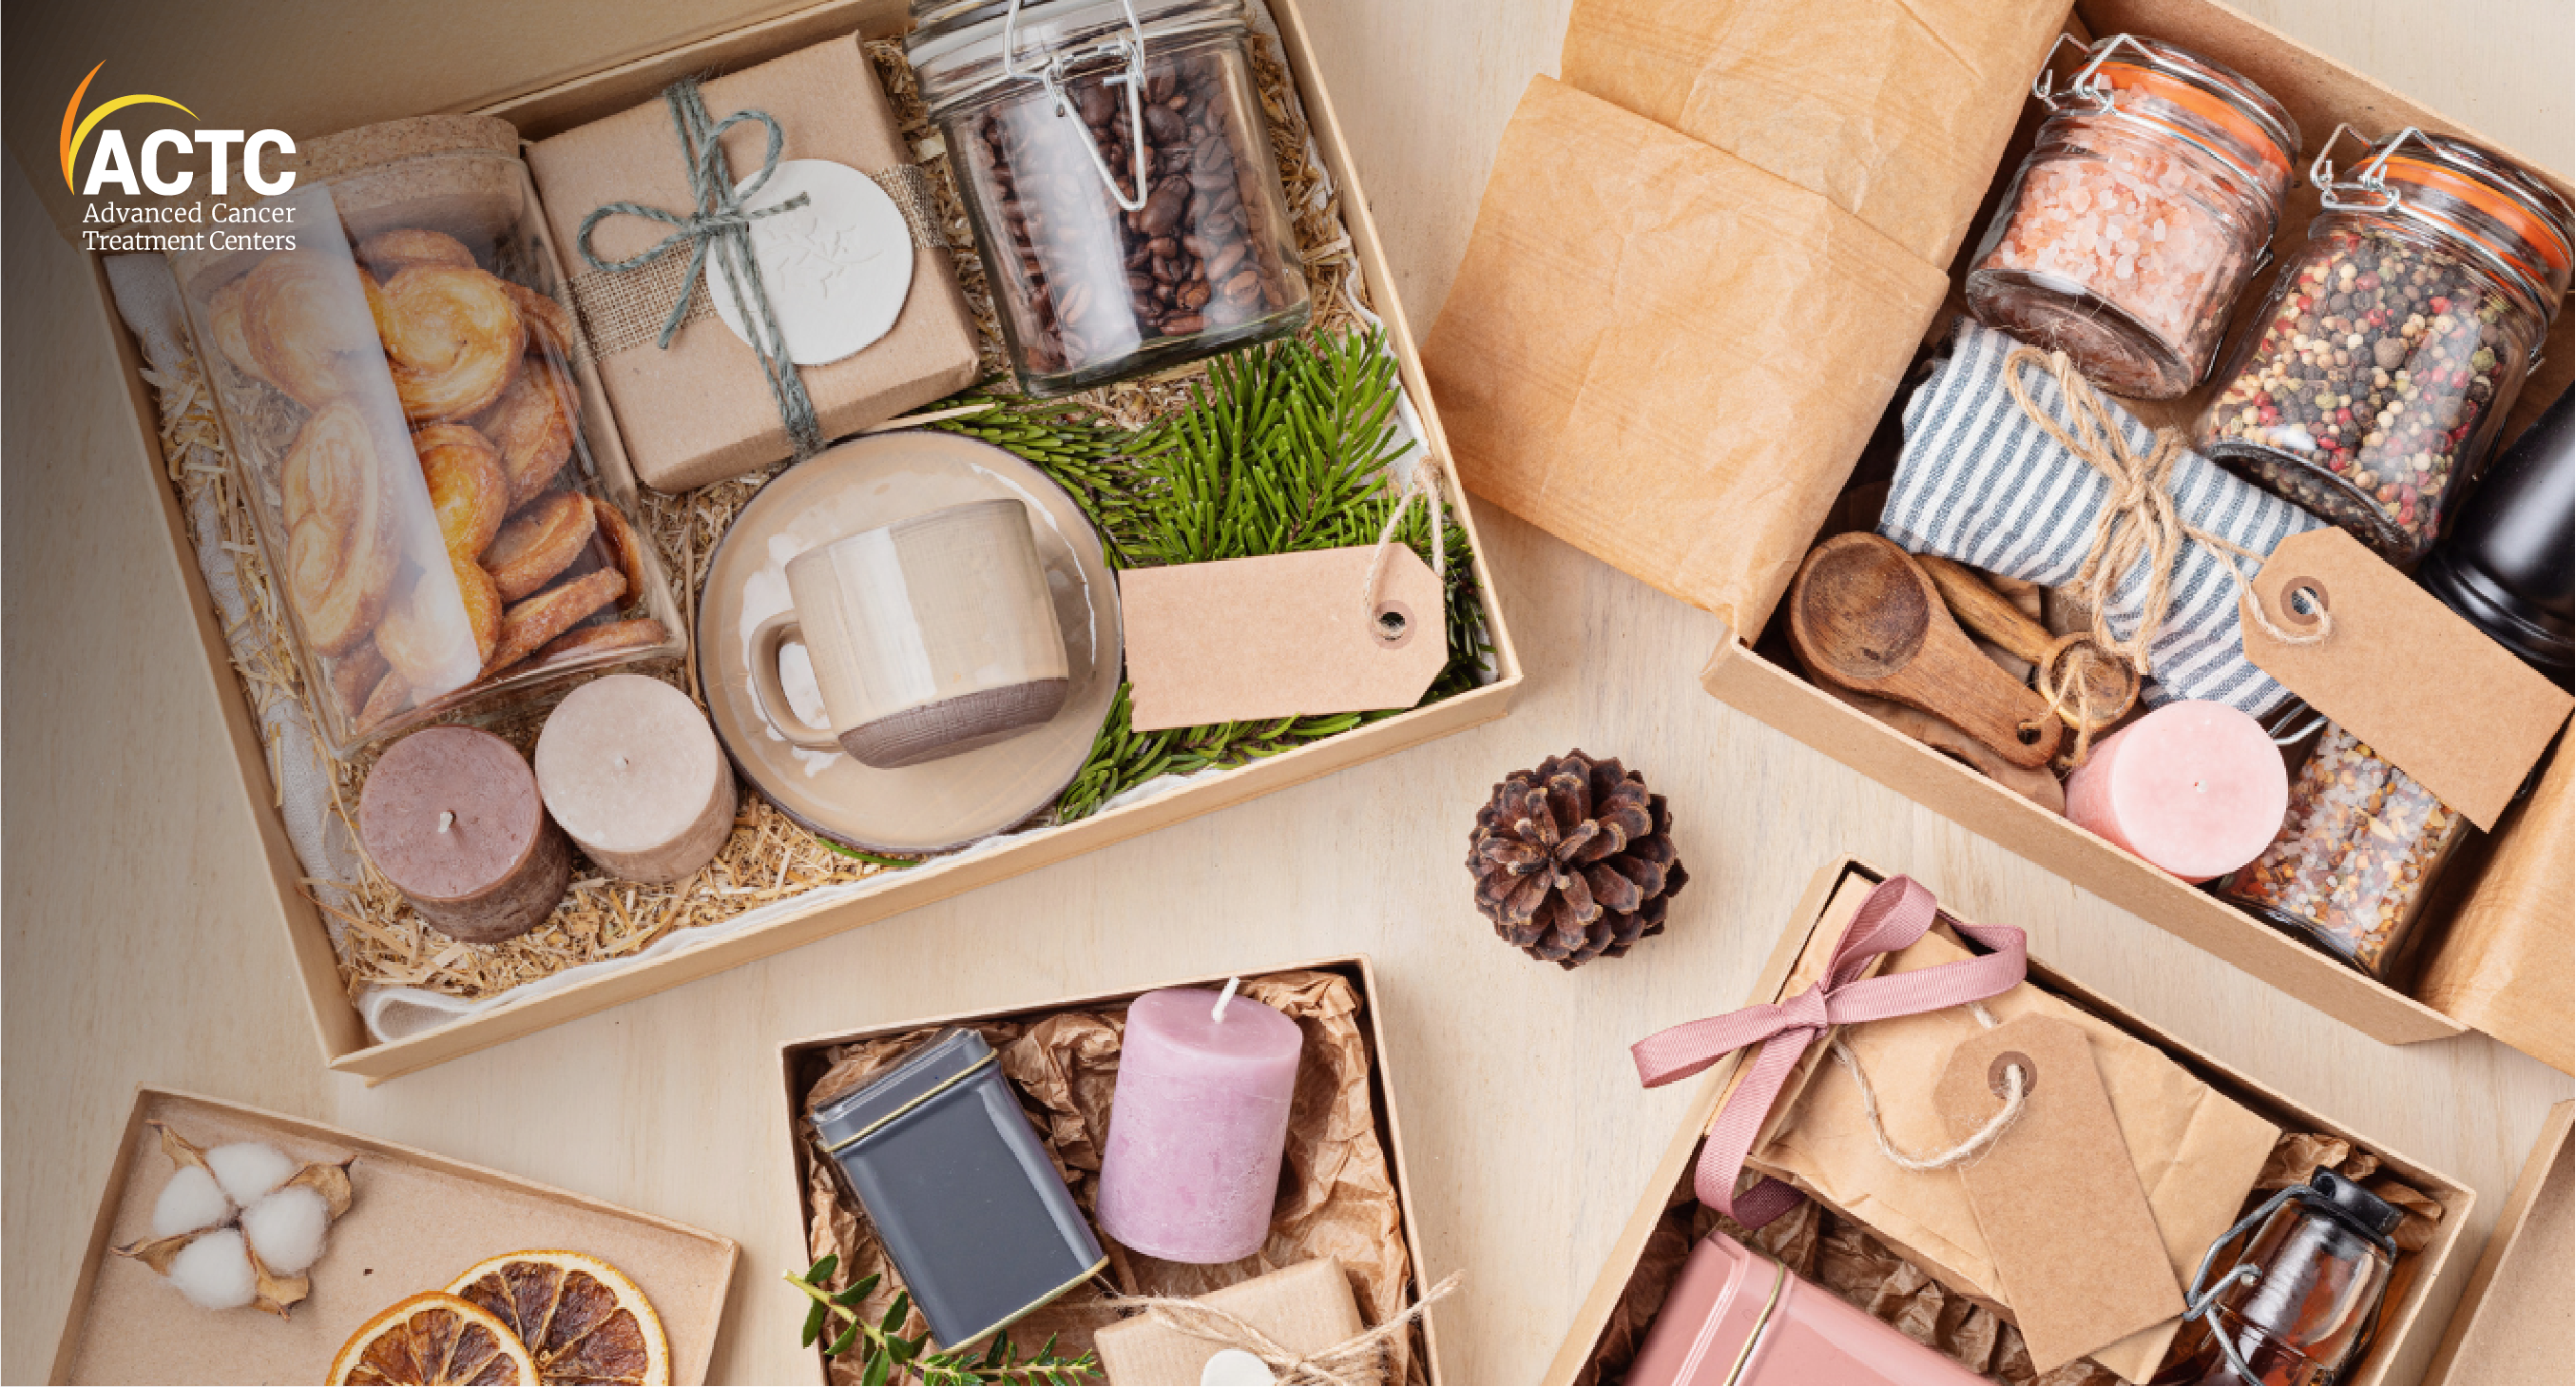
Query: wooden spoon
[
  {"x": 2110, "y": 683},
  {"x": 1863, "y": 617}
]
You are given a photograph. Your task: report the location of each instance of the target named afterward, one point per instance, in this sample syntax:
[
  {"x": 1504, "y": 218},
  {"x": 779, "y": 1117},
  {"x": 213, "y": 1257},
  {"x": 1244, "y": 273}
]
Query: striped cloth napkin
[{"x": 1979, "y": 482}]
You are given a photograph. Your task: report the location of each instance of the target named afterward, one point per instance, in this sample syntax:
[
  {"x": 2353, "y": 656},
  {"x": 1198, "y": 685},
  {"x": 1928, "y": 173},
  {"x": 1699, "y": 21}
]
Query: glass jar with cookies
[{"x": 446, "y": 524}]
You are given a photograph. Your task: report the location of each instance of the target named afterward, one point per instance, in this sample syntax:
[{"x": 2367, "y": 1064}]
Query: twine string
[
  {"x": 2016, "y": 1099},
  {"x": 2136, "y": 522},
  {"x": 1342, "y": 1364},
  {"x": 720, "y": 228},
  {"x": 1424, "y": 486}
]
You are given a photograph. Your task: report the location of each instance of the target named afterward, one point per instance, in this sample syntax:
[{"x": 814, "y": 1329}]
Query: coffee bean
[
  {"x": 1179, "y": 323},
  {"x": 1164, "y": 126},
  {"x": 1224, "y": 261}
]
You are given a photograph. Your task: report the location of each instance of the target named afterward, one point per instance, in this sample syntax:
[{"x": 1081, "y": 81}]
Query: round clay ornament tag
[
  {"x": 1232, "y": 1367},
  {"x": 837, "y": 269}
]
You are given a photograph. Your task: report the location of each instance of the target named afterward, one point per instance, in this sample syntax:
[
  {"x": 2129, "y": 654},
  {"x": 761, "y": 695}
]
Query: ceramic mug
[{"x": 929, "y": 637}]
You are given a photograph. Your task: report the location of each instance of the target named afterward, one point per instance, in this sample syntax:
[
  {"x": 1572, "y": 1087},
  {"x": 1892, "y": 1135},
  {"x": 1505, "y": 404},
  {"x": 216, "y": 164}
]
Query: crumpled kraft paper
[
  {"x": 2197, "y": 1153},
  {"x": 1897, "y": 112},
  {"x": 1665, "y": 355},
  {"x": 1338, "y": 1186}
]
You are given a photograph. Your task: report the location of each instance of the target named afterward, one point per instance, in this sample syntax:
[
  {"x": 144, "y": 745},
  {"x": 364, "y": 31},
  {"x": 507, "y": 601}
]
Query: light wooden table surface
[{"x": 136, "y": 950}]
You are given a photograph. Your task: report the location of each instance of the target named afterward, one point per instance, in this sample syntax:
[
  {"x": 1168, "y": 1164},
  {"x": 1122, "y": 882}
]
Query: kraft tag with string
[
  {"x": 1245, "y": 640},
  {"x": 2393, "y": 667},
  {"x": 2075, "y": 1247}
]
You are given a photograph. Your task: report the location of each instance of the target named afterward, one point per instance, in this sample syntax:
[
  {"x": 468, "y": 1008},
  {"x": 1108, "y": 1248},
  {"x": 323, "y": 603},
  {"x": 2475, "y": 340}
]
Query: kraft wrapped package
[
  {"x": 700, "y": 410},
  {"x": 1897, "y": 114},
  {"x": 1665, "y": 355},
  {"x": 2197, "y": 1152}
]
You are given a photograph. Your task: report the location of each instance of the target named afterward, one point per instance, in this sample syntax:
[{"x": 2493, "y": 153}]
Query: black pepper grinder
[{"x": 2509, "y": 564}]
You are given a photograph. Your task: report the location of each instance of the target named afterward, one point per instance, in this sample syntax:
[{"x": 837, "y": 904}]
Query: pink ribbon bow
[{"x": 1894, "y": 916}]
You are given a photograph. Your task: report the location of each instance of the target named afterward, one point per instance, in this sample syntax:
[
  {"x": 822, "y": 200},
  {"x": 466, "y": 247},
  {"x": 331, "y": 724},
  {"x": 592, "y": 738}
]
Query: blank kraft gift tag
[
  {"x": 1241, "y": 640},
  {"x": 2074, "y": 1245}
]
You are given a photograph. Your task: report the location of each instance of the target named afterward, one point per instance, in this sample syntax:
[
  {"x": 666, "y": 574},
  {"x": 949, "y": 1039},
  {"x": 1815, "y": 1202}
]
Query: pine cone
[{"x": 1574, "y": 860}]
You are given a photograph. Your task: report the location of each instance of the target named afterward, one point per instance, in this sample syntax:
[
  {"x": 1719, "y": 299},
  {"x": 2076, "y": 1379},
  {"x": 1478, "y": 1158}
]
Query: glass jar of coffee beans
[
  {"x": 2371, "y": 383},
  {"x": 1115, "y": 160}
]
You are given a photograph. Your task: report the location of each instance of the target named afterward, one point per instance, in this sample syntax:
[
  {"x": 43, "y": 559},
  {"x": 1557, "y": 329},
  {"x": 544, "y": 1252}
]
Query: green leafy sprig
[
  {"x": 894, "y": 1358},
  {"x": 1284, "y": 448}
]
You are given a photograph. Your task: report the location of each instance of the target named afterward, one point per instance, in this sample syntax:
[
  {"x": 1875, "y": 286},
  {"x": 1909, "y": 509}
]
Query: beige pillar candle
[
  {"x": 631, "y": 770},
  {"x": 451, "y": 816}
]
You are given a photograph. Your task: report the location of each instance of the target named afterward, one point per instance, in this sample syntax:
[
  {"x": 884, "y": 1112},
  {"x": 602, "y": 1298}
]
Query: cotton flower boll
[
  {"x": 214, "y": 1271},
  {"x": 192, "y": 1200},
  {"x": 288, "y": 1227},
  {"x": 249, "y": 1169}
]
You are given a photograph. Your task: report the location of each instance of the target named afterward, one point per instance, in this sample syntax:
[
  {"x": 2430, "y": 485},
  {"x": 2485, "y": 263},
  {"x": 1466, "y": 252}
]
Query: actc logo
[{"x": 111, "y": 165}]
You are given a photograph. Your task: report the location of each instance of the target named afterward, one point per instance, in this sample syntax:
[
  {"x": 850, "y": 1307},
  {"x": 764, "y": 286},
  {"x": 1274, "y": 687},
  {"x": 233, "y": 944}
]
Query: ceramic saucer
[{"x": 859, "y": 485}]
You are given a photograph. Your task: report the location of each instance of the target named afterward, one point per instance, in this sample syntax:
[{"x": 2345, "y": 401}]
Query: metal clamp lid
[
  {"x": 2371, "y": 184},
  {"x": 2097, "y": 94},
  {"x": 1051, "y": 74}
]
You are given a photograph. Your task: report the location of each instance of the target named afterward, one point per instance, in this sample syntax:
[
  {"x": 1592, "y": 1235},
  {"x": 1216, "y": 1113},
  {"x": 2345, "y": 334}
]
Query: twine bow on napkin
[
  {"x": 1896, "y": 914},
  {"x": 720, "y": 228},
  {"x": 1352, "y": 1360}
]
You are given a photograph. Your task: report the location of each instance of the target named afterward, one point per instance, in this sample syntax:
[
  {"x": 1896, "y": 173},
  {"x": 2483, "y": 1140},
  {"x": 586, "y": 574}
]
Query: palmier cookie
[
  {"x": 437, "y": 643},
  {"x": 625, "y": 546},
  {"x": 539, "y": 542},
  {"x": 466, "y": 486},
  {"x": 532, "y": 426},
  {"x": 388, "y": 253},
  {"x": 355, "y": 675},
  {"x": 603, "y": 636},
  {"x": 549, "y": 322},
  {"x": 306, "y": 321},
  {"x": 530, "y": 625},
  {"x": 228, "y": 320},
  {"x": 342, "y": 545},
  {"x": 391, "y": 696},
  {"x": 453, "y": 338}
]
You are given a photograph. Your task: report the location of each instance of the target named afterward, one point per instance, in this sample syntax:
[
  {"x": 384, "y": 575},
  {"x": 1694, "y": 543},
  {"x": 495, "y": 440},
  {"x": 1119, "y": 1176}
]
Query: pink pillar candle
[
  {"x": 2195, "y": 787},
  {"x": 631, "y": 770},
  {"x": 1198, "y": 1126}
]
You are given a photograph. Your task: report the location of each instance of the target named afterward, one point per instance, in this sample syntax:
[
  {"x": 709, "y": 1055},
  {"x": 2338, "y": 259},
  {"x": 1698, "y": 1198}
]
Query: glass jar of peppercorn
[
  {"x": 2372, "y": 381},
  {"x": 1115, "y": 161}
]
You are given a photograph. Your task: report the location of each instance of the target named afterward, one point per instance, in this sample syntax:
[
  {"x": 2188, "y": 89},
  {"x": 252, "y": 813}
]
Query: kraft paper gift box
[
  {"x": 1684, "y": 381},
  {"x": 700, "y": 410},
  {"x": 1305, "y": 1309},
  {"x": 2517, "y": 1320},
  {"x": 415, "y": 1222},
  {"x": 555, "y": 67},
  {"x": 1618, "y": 1308},
  {"x": 805, "y": 1063}
]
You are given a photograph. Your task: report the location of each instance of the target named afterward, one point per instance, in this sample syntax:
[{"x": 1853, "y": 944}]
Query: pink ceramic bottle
[{"x": 1735, "y": 1316}]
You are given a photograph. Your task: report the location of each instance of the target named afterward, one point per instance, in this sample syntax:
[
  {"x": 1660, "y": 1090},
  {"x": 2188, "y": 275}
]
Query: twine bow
[
  {"x": 2137, "y": 521},
  {"x": 1342, "y": 1364},
  {"x": 1898, "y": 913},
  {"x": 721, "y": 227}
]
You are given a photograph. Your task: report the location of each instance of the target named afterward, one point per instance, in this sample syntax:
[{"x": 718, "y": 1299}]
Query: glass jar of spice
[
  {"x": 2138, "y": 217},
  {"x": 2373, "y": 379},
  {"x": 2356, "y": 857},
  {"x": 1116, "y": 162}
]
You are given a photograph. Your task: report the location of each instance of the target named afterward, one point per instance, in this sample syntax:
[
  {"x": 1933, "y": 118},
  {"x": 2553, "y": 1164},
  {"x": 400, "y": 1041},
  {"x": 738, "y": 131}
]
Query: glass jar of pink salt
[{"x": 2139, "y": 216}]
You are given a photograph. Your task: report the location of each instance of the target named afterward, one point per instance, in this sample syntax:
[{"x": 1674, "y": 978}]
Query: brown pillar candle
[
  {"x": 631, "y": 770},
  {"x": 452, "y": 818}
]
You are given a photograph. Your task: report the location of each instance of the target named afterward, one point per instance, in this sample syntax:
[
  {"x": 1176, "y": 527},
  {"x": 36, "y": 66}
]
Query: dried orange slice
[
  {"x": 582, "y": 1318},
  {"x": 434, "y": 1337}
]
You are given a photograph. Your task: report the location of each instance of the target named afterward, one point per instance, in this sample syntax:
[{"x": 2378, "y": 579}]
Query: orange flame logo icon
[{"x": 76, "y": 127}]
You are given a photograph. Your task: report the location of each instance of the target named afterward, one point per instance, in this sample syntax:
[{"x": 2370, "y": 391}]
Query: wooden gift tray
[{"x": 415, "y": 1221}]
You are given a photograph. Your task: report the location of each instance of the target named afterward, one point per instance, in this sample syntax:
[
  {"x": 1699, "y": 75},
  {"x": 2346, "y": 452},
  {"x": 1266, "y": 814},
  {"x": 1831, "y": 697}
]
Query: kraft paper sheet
[
  {"x": 2507, "y": 965},
  {"x": 1665, "y": 355},
  {"x": 1339, "y": 1198},
  {"x": 2196, "y": 1152},
  {"x": 1897, "y": 113}
]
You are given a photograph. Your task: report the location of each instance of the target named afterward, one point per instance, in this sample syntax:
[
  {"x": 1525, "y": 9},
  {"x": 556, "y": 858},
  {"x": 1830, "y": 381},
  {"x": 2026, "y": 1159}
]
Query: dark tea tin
[{"x": 977, "y": 1222}]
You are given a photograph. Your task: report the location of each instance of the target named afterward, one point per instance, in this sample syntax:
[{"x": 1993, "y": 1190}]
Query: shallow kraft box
[
  {"x": 547, "y": 68},
  {"x": 2517, "y": 1319},
  {"x": 2404, "y": 1340},
  {"x": 416, "y": 1220},
  {"x": 2513, "y": 976},
  {"x": 793, "y": 1058}
]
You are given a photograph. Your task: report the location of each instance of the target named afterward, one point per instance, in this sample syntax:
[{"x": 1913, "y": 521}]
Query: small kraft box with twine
[{"x": 695, "y": 404}]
